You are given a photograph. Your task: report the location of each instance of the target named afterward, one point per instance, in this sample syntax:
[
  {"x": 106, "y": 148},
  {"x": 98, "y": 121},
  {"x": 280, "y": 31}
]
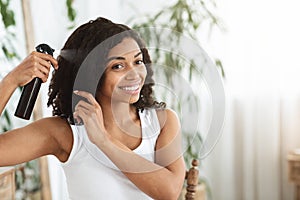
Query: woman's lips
[{"x": 132, "y": 88}]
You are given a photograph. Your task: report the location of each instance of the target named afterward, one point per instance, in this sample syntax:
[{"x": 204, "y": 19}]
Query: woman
[{"x": 113, "y": 139}]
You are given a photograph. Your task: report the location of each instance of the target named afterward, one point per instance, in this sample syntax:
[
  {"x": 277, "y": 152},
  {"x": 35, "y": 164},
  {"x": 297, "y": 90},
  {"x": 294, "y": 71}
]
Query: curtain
[
  {"x": 259, "y": 51},
  {"x": 250, "y": 160}
]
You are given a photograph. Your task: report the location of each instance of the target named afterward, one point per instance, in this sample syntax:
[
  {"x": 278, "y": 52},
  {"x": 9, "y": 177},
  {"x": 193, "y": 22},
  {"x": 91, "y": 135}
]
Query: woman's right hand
[
  {"x": 34, "y": 65},
  {"x": 90, "y": 113}
]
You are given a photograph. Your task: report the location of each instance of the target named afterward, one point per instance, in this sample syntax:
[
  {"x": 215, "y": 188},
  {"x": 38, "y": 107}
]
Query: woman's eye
[
  {"x": 139, "y": 62},
  {"x": 118, "y": 66}
]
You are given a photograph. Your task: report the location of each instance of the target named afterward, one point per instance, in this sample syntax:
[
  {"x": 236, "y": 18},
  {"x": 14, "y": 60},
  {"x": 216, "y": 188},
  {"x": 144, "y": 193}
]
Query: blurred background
[{"x": 256, "y": 43}]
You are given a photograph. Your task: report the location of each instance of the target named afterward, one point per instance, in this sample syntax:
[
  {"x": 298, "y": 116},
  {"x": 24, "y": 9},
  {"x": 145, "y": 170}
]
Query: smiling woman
[
  {"x": 126, "y": 72},
  {"x": 106, "y": 123}
]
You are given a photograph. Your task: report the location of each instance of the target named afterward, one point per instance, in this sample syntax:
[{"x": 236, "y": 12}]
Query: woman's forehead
[{"x": 127, "y": 46}]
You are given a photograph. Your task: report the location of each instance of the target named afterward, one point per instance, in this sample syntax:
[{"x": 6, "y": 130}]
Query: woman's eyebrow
[
  {"x": 121, "y": 58},
  {"x": 139, "y": 53},
  {"x": 115, "y": 58}
]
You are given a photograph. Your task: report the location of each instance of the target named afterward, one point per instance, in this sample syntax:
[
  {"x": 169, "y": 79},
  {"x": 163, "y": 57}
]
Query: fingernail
[{"x": 75, "y": 91}]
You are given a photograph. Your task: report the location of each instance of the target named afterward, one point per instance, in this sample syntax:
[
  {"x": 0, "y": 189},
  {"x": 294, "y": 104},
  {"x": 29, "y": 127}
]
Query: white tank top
[{"x": 91, "y": 175}]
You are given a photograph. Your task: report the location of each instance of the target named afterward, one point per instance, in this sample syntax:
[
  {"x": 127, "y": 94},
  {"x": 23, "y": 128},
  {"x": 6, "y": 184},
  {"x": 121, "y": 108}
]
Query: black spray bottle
[{"x": 31, "y": 90}]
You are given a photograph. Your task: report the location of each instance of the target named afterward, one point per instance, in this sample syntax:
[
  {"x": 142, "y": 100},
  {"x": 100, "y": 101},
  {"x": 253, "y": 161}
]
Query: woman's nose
[{"x": 132, "y": 74}]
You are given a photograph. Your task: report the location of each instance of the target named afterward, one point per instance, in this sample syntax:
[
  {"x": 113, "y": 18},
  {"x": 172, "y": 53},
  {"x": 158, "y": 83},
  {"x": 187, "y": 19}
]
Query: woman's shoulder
[
  {"x": 54, "y": 122},
  {"x": 56, "y": 126},
  {"x": 59, "y": 129},
  {"x": 166, "y": 116},
  {"x": 170, "y": 130}
]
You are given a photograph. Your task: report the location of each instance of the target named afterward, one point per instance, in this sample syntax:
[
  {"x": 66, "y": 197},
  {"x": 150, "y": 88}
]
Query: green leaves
[
  {"x": 193, "y": 144},
  {"x": 9, "y": 54},
  {"x": 71, "y": 13},
  {"x": 8, "y": 44},
  {"x": 8, "y": 20},
  {"x": 7, "y": 122},
  {"x": 8, "y": 16},
  {"x": 7, "y": 49},
  {"x": 184, "y": 17}
]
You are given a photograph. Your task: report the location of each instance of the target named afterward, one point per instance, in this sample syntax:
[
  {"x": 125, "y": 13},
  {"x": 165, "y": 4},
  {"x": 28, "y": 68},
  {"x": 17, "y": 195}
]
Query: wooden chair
[{"x": 192, "y": 180}]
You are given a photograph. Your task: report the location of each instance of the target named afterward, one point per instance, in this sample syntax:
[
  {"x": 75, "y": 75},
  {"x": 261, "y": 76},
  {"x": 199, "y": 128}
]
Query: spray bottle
[{"x": 31, "y": 90}]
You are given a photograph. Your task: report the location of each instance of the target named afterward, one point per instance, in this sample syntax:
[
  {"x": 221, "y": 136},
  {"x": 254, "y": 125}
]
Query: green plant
[
  {"x": 184, "y": 17},
  {"x": 8, "y": 51},
  {"x": 28, "y": 172},
  {"x": 8, "y": 44}
]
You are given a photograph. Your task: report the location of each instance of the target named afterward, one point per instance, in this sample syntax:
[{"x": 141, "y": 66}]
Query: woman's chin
[{"x": 133, "y": 100}]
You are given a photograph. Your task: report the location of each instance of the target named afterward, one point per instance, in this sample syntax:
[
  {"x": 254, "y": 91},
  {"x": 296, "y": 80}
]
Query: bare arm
[
  {"x": 43, "y": 137},
  {"x": 7, "y": 87},
  {"x": 35, "y": 65},
  {"x": 160, "y": 180}
]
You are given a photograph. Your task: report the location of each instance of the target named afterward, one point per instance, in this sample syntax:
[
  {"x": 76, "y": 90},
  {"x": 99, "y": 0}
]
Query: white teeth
[{"x": 131, "y": 88}]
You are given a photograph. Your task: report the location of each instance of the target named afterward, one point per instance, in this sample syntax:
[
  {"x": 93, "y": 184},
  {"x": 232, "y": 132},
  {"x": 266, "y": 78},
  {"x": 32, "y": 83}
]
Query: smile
[{"x": 130, "y": 88}]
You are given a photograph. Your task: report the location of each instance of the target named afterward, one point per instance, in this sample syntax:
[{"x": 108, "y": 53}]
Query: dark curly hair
[{"x": 82, "y": 64}]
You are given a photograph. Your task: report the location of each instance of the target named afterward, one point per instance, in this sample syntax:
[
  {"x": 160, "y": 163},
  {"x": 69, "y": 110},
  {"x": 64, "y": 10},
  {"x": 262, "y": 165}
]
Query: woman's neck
[{"x": 118, "y": 113}]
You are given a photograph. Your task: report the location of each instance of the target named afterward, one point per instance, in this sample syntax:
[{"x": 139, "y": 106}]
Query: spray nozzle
[{"x": 44, "y": 48}]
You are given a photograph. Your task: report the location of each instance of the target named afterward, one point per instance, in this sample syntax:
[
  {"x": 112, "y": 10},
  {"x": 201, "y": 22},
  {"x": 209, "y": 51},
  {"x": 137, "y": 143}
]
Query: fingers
[
  {"x": 86, "y": 109},
  {"x": 87, "y": 95},
  {"x": 43, "y": 69},
  {"x": 79, "y": 116},
  {"x": 45, "y": 61},
  {"x": 46, "y": 58},
  {"x": 36, "y": 64},
  {"x": 41, "y": 65},
  {"x": 42, "y": 76},
  {"x": 84, "y": 106}
]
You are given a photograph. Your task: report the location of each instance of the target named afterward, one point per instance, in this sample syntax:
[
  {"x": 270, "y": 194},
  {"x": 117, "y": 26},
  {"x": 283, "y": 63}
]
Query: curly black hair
[{"x": 82, "y": 64}]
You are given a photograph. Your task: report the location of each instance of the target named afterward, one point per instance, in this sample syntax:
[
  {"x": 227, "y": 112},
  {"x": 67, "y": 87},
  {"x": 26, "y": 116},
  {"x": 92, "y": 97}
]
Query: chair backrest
[{"x": 192, "y": 180}]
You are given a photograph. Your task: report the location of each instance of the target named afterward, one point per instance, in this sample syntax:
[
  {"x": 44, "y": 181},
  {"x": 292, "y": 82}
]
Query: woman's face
[{"x": 125, "y": 73}]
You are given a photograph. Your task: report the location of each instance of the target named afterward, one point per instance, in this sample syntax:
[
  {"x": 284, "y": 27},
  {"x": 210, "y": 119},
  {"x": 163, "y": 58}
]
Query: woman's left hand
[{"x": 90, "y": 113}]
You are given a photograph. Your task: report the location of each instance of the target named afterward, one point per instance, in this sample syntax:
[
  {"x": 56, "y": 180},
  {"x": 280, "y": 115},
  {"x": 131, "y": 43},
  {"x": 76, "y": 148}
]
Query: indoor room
[{"x": 223, "y": 82}]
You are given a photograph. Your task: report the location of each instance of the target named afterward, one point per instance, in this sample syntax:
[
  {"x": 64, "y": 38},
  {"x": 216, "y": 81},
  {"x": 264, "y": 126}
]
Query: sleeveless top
[{"x": 91, "y": 175}]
